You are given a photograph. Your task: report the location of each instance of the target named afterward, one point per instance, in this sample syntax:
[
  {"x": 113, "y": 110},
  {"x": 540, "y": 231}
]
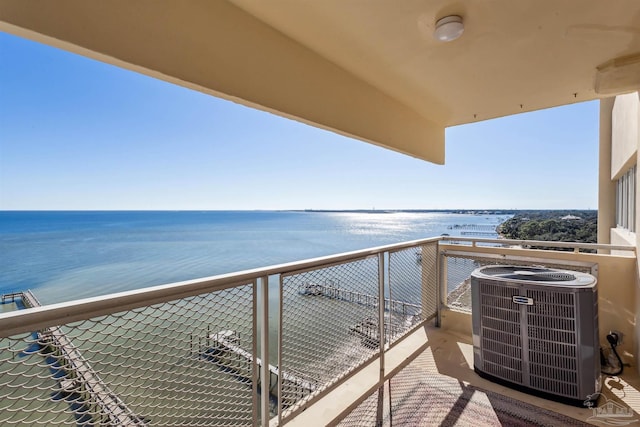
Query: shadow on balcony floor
[{"x": 439, "y": 387}]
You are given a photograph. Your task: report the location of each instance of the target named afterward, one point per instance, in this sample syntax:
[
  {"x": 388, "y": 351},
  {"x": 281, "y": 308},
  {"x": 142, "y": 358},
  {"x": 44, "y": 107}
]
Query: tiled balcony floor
[{"x": 447, "y": 364}]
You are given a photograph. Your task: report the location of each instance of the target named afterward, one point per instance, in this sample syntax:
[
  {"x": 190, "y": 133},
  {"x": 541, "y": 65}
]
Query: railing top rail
[
  {"x": 30, "y": 319},
  {"x": 549, "y": 244}
]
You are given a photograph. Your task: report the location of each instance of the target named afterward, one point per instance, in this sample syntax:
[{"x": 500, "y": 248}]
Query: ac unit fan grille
[
  {"x": 546, "y": 277},
  {"x": 532, "y": 274}
]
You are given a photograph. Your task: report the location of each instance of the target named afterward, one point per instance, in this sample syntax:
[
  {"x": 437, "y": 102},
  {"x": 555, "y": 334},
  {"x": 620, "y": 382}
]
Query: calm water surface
[{"x": 69, "y": 255}]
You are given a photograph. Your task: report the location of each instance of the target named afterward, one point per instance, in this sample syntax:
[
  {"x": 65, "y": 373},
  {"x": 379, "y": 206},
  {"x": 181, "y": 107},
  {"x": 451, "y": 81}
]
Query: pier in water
[
  {"x": 224, "y": 349},
  {"x": 333, "y": 292},
  {"x": 79, "y": 377}
]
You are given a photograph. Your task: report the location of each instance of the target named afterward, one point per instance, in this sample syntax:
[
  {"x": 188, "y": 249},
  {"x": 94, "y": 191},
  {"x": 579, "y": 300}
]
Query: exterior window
[{"x": 626, "y": 200}]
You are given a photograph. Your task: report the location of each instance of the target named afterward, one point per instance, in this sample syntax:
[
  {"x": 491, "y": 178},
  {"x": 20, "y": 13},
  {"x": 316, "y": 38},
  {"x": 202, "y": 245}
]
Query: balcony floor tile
[{"x": 425, "y": 391}]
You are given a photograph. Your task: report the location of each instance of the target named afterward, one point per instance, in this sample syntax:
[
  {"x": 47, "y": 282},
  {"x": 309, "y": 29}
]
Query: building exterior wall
[
  {"x": 620, "y": 236},
  {"x": 622, "y": 139},
  {"x": 624, "y": 133},
  {"x": 606, "y": 186}
]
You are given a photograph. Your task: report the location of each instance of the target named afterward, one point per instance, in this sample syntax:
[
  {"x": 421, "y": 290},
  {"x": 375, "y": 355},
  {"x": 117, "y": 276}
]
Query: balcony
[{"x": 372, "y": 337}]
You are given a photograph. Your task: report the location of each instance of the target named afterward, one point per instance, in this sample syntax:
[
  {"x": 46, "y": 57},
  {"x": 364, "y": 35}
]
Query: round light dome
[{"x": 449, "y": 28}]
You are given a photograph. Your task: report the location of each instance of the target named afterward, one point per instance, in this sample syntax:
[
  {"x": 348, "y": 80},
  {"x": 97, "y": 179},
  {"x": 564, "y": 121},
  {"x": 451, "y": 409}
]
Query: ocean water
[{"x": 62, "y": 256}]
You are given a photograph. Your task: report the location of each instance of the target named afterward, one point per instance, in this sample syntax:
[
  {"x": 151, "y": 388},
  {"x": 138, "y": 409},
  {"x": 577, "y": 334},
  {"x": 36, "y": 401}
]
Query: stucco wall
[
  {"x": 624, "y": 133},
  {"x": 620, "y": 236},
  {"x": 606, "y": 187},
  {"x": 624, "y": 141}
]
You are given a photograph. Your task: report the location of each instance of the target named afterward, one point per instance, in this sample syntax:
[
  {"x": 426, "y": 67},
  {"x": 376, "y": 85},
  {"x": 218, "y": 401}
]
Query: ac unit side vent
[
  {"x": 553, "y": 311},
  {"x": 549, "y": 347},
  {"x": 503, "y": 360},
  {"x": 556, "y": 387},
  {"x": 556, "y": 373},
  {"x": 501, "y": 314},
  {"x": 511, "y": 339},
  {"x": 502, "y": 348},
  {"x": 553, "y": 360},
  {"x": 497, "y": 302},
  {"x": 548, "y": 322},
  {"x": 500, "y": 371},
  {"x": 498, "y": 324},
  {"x": 490, "y": 288},
  {"x": 552, "y": 335},
  {"x": 550, "y": 297}
]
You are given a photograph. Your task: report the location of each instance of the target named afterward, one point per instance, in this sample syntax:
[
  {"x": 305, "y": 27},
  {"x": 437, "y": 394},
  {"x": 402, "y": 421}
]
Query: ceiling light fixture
[{"x": 448, "y": 28}]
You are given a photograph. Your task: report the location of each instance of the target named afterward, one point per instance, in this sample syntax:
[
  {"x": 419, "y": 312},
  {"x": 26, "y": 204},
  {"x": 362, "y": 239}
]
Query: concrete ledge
[{"x": 459, "y": 321}]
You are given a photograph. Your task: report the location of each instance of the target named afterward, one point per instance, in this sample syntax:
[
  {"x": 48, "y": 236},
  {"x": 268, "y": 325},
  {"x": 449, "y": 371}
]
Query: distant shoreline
[
  {"x": 450, "y": 211},
  {"x": 453, "y": 211}
]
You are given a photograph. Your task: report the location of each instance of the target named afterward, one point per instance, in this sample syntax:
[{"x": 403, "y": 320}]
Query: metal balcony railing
[
  {"x": 235, "y": 349},
  {"x": 248, "y": 348}
]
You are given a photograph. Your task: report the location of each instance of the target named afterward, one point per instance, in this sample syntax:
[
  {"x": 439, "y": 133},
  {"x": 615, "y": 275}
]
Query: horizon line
[{"x": 304, "y": 210}]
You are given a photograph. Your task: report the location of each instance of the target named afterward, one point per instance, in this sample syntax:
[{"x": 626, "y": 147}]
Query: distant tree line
[{"x": 557, "y": 226}]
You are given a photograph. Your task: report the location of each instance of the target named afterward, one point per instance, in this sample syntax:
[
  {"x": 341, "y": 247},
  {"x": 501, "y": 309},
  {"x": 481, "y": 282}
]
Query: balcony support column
[{"x": 606, "y": 186}]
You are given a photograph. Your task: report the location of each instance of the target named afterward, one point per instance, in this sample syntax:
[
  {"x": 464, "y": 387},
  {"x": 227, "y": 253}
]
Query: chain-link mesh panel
[
  {"x": 178, "y": 363},
  {"x": 460, "y": 267},
  {"x": 430, "y": 280},
  {"x": 329, "y": 324},
  {"x": 412, "y": 294},
  {"x": 372, "y": 412}
]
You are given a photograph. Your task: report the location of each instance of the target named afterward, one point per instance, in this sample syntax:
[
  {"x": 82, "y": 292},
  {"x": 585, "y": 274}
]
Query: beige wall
[
  {"x": 624, "y": 133},
  {"x": 606, "y": 187},
  {"x": 620, "y": 236},
  {"x": 617, "y": 280},
  {"x": 623, "y": 140}
]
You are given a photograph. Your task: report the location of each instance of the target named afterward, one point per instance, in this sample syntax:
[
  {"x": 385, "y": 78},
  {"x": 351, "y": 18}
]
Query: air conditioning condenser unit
[{"x": 536, "y": 329}]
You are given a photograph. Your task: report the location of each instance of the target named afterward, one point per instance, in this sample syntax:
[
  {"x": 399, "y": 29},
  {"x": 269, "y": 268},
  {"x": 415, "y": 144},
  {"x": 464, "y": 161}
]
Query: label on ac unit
[{"x": 522, "y": 300}]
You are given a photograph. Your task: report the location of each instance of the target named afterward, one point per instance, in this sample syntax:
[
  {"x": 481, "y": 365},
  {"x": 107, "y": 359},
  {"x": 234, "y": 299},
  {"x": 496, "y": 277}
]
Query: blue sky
[{"x": 79, "y": 134}]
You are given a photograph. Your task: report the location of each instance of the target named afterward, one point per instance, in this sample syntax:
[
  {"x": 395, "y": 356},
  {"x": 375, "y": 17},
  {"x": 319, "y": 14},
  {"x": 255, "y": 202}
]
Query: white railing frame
[{"x": 514, "y": 242}]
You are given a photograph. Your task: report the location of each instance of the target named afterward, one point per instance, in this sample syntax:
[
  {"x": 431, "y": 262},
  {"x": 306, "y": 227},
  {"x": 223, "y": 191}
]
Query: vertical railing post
[
  {"x": 381, "y": 333},
  {"x": 264, "y": 350},
  {"x": 254, "y": 352},
  {"x": 441, "y": 286},
  {"x": 280, "y": 370}
]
